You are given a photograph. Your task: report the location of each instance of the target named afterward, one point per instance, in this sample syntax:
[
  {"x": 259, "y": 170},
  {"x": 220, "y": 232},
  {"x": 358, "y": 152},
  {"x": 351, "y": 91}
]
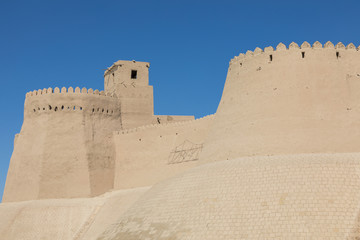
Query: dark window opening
[
  {"x": 93, "y": 110},
  {"x": 337, "y": 54},
  {"x": 80, "y": 108},
  {"x": 113, "y": 74},
  {"x": 133, "y": 74},
  {"x": 271, "y": 58},
  {"x": 240, "y": 64},
  {"x": 62, "y": 107},
  {"x": 303, "y": 54},
  {"x": 50, "y": 107},
  {"x": 55, "y": 109}
]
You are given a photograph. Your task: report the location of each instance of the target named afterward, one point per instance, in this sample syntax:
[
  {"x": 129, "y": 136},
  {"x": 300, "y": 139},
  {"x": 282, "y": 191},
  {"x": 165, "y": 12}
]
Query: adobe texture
[
  {"x": 279, "y": 159},
  {"x": 283, "y": 197},
  {"x": 65, "y": 148},
  {"x": 277, "y": 102}
]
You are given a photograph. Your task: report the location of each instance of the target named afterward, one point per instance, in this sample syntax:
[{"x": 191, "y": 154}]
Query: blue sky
[{"x": 188, "y": 43}]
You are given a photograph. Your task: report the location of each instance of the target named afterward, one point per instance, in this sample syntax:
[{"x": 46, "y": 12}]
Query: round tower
[
  {"x": 65, "y": 147},
  {"x": 300, "y": 99}
]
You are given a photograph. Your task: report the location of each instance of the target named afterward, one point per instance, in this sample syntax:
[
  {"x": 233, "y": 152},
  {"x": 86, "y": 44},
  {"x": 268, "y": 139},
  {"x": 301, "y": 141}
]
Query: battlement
[
  {"x": 69, "y": 90},
  {"x": 76, "y": 100},
  {"x": 339, "y": 49}
]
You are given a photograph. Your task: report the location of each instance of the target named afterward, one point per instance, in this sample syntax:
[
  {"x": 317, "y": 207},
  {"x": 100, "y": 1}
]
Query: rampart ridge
[
  {"x": 282, "y": 47},
  {"x": 169, "y": 124},
  {"x": 40, "y": 101},
  {"x": 69, "y": 90}
]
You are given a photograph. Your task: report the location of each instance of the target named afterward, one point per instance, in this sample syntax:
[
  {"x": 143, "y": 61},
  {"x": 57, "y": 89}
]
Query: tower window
[
  {"x": 133, "y": 74},
  {"x": 303, "y": 54}
]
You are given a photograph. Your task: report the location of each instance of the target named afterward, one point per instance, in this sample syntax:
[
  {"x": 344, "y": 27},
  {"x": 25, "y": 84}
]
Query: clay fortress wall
[
  {"x": 278, "y": 160},
  {"x": 68, "y": 144},
  {"x": 151, "y": 153},
  {"x": 65, "y": 140},
  {"x": 277, "y": 101}
]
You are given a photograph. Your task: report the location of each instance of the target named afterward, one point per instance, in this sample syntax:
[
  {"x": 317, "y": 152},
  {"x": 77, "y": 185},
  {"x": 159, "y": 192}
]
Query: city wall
[
  {"x": 288, "y": 101},
  {"x": 148, "y": 154},
  {"x": 65, "y": 146},
  {"x": 300, "y": 104}
]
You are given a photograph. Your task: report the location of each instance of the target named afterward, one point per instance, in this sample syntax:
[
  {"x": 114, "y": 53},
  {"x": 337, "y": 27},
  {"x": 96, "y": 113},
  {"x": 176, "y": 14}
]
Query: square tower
[
  {"x": 126, "y": 73},
  {"x": 129, "y": 80}
]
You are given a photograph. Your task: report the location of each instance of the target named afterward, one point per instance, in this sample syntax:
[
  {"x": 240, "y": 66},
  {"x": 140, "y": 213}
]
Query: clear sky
[{"x": 188, "y": 43}]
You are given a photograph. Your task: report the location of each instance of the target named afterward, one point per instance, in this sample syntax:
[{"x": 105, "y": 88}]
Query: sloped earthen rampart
[
  {"x": 305, "y": 196},
  {"x": 70, "y": 219},
  {"x": 289, "y": 101}
]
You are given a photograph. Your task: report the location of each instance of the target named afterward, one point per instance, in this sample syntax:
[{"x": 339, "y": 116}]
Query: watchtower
[
  {"x": 126, "y": 73},
  {"x": 129, "y": 80}
]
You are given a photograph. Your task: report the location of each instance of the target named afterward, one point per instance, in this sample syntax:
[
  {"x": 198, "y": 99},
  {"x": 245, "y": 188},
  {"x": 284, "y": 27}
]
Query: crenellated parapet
[
  {"x": 69, "y": 90},
  {"x": 340, "y": 52},
  {"x": 76, "y": 100}
]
